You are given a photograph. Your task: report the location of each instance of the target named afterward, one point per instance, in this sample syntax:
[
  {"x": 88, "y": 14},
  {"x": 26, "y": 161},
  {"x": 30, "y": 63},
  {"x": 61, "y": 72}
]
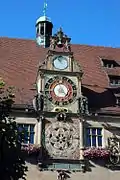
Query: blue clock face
[{"x": 60, "y": 62}]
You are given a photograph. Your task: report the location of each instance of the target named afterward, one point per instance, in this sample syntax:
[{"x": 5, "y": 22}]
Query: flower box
[{"x": 95, "y": 153}]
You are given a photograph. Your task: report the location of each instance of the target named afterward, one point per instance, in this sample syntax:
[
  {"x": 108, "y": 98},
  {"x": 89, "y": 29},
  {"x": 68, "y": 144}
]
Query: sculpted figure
[
  {"x": 83, "y": 105},
  {"x": 60, "y": 36},
  {"x": 114, "y": 150},
  {"x": 52, "y": 43},
  {"x": 67, "y": 45}
]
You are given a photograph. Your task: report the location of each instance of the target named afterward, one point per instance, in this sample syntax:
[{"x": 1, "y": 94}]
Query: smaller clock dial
[{"x": 60, "y": 62}]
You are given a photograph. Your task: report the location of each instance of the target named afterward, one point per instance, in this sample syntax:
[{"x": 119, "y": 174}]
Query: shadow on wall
[{"x": 99, "y": 100}]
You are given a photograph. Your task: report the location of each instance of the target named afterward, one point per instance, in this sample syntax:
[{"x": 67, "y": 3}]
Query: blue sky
[{"x": 93, "y": 22}]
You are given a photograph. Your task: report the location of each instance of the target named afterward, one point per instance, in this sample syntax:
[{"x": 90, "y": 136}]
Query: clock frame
[{"x": 60, "y": 99}]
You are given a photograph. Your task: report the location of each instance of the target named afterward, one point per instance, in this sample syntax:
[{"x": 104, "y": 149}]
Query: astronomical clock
[
  {"x": 59, "y": 90},
  {"x": 59, "y": 77}
]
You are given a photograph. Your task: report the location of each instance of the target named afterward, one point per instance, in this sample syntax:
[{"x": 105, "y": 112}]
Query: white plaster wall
[{"x": 97, "y": 173}]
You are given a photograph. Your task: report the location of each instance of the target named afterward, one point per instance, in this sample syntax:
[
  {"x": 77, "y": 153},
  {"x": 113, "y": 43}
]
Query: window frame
[
  {"x": 118, "y": 101},
  {"x": 114, "y": 80},
  {"x": 91, "y": 135},
  {"x": 109, "y": 63},
  {"x": 29, "y": 132}
]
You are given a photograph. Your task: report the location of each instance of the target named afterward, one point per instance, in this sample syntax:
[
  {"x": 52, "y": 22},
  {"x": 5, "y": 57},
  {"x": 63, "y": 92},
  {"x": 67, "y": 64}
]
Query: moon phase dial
[{"x": 60, "y": 90}]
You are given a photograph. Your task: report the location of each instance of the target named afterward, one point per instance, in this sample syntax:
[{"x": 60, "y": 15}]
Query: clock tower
[{"x": 59, "y": 104}]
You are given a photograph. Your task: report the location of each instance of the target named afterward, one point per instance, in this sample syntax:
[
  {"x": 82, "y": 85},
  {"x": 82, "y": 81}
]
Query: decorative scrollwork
[{"x": 61, "y": 41}]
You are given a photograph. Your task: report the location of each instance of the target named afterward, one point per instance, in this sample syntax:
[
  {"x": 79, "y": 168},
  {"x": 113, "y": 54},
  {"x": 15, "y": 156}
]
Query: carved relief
[
  {"x": 61, "y": 139},
  {"x": 61, "y": 41},
  {"x": 83, "y": 105},
  {"x": 113, "y": 144}
]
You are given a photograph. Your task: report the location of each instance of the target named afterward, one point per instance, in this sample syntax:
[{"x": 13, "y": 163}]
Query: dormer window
[
  {"x": 118, "y": 101},
  {"x": 114, "y": 80},
  {"x": 109, "y": 63}
]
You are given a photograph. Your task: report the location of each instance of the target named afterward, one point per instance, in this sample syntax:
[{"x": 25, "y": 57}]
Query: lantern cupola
[{"x": 43, "y": 29}]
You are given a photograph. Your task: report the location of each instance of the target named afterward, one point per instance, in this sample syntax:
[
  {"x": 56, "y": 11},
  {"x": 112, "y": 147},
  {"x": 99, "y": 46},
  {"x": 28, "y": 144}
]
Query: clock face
[
  {"x": 60, "y": 62},
  {"x": 60, "y": 90}
]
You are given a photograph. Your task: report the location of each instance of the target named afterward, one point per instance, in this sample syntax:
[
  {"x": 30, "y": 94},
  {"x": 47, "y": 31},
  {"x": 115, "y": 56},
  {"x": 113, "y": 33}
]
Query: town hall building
[{"x": 67, "y": 98}]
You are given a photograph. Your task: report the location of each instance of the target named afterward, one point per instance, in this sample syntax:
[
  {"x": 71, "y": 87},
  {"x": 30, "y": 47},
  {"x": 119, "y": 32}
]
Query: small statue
[
  {"x": 61, "y": 175},
  {"x": 52, "y": 43},
  {"x": 83, "y": 102},
  {"x": 40, "y": 101},
  {"x": 60, "y": 37},
  {"x": 67, "y": 45},
  {"x": 113, "y": 145}
]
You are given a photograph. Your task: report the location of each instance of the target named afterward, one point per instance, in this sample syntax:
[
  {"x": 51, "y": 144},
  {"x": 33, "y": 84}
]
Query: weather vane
[{"x": 45, "y": 7}]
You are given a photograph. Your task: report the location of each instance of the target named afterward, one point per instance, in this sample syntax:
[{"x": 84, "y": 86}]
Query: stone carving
[
  {"x": 61, "y": 41},
  {"x": 61, "y": 175},
  {"x": 61, "y": 139},
  {"x": 52, "y": 43},
  {"x": 40, "y": 101},
  {"x": 61, "y": 116},
  {"x": 113, "y": 145},
  {"x": 67, "y": 45},
  {"x": 83, "y": 104}
]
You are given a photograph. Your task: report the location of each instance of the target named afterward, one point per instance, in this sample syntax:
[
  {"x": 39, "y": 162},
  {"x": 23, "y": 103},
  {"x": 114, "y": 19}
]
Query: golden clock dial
[{"x": 60, "y": 90}]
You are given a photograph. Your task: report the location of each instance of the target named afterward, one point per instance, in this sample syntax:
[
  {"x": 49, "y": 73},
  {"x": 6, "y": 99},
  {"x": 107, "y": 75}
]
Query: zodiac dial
[{"x": 60, "y": 90}]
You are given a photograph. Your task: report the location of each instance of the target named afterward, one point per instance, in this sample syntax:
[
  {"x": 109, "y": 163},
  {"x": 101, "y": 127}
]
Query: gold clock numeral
[
  {"x": 70, "y": 100},
  {"x": 74, "y": 94},
  {"x": 50, "y": 80},
  {"x": 65, "y": 78},
  {"x": 46, "y": 92},
  {"x": 56, "y": 77},
  {"x": 65, "y": 103},
  {"x": 50, "y": 98},
  {"x": 46, "y": 86},
  {"x": 74, "y": 87},
  {"x": 56, "y": 102},
  {"x": 70, "y": 81}
]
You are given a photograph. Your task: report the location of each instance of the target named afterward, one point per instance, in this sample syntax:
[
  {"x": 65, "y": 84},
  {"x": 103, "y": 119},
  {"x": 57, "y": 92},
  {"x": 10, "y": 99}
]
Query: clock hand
[
  {"x": 62, "y": 90},
  {"x": 59, "y": 59}
]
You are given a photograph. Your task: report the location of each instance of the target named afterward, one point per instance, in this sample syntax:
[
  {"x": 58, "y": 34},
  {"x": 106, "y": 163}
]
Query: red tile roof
[{"x": 19, "y": 60}]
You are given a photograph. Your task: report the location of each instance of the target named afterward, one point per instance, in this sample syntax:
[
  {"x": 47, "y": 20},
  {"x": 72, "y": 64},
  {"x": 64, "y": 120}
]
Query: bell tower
[{"x": 43, "y": 29}]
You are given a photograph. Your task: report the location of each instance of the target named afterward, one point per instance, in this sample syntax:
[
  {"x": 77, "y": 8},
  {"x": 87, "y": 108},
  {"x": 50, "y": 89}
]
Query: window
[
  {"x": 109, "y": 63},
  {"x": 94, "y": 137},
  {"x": 28, "y": 132},
  {"x": 118, "y": 101},
  {"x": 114, "y": 80},
  {"x": 42, "y": 29}
]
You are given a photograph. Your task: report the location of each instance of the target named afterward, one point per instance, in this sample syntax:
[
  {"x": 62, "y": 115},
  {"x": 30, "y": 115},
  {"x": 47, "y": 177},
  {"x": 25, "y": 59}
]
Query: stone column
[
  {"x": 40, "y": 157},
  {"x": 81, "y": 139},
  {"x": 40, "y": 131}
]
